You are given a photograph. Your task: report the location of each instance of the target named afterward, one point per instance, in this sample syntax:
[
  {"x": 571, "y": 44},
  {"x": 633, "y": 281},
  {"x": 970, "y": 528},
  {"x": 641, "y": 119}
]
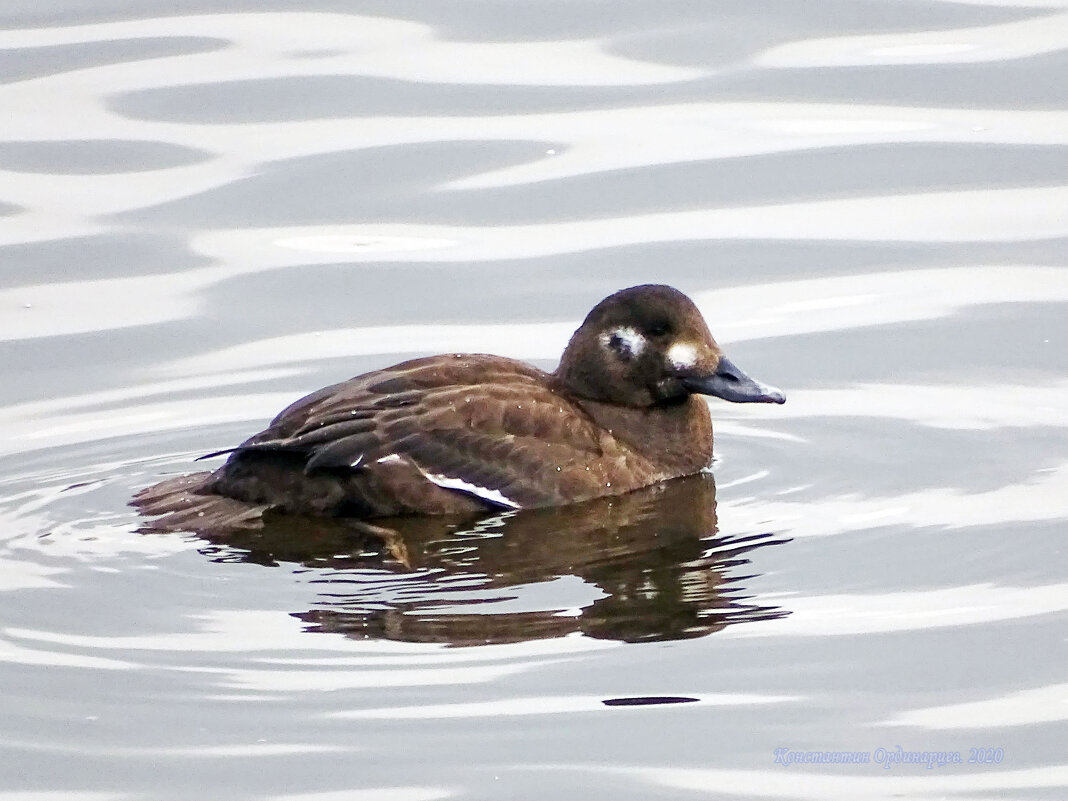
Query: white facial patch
[
  {"x": 682, "y": 355},
  {"x": 491, "y": 495},
  {"x": 627, "y": 341}
]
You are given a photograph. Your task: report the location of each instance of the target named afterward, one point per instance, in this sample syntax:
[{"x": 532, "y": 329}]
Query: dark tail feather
[
  {"x": 213, "y": 454},
  {"x": 268, "y": 445},
  {"x": 185, "y": 504}
]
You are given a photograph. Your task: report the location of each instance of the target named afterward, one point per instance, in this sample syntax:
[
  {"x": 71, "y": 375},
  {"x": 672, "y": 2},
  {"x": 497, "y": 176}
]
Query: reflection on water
[
  {"x": 645, "y": 566},
  {"x": 204, "y": 214}
]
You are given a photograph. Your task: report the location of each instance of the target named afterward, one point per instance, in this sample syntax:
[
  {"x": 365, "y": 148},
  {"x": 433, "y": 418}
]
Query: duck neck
[{"x": 677, "y": 435}]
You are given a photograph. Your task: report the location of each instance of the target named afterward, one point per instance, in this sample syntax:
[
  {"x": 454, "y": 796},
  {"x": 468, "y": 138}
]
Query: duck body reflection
[{"x": 649, "y": 565}]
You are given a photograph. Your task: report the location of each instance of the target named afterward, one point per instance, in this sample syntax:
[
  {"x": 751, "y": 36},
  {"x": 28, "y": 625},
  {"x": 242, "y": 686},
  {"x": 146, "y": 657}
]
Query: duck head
[{"x": 649, "y": 345}]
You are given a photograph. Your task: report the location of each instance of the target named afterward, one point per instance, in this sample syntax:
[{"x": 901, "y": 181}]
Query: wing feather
[{"x": 485, "y": 426}]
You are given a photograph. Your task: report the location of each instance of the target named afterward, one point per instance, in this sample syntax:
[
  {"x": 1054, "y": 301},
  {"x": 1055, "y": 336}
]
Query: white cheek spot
[
  {"x": 626, "y": 340},
  {"x": 682, "y": 355}
]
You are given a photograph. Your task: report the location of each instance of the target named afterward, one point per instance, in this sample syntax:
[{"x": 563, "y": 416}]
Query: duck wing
[{"x": 487, "y": 427}]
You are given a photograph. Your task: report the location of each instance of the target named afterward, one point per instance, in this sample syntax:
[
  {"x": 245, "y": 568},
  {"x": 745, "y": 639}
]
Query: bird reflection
[{"x": 651, "y": 563}]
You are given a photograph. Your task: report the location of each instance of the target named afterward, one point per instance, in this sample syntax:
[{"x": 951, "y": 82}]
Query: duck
[{"x": 470, "y": 434}]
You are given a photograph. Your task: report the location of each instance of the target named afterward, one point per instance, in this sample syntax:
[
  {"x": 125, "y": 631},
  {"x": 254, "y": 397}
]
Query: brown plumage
[{"x": 468, "y": 433}]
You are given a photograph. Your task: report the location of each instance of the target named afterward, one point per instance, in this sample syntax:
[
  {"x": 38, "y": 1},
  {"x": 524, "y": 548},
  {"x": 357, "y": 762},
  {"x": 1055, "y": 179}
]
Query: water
[{"x": 205, "y": 216}]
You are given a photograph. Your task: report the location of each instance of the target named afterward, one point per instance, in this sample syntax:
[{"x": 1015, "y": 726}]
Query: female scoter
[{"x": 462, "y": 433}]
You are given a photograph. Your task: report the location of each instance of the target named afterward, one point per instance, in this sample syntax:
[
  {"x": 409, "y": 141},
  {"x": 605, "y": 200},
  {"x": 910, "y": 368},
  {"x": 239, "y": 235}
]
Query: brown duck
[{"x": 463, "y": 433}]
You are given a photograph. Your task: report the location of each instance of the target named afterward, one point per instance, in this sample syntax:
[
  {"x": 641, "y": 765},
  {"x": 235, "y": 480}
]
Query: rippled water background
[{"x": 204, "y": 216}]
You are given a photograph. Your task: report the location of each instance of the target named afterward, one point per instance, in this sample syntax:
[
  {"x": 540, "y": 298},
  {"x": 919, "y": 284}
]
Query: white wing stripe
[{"x": 491, "y": 495}]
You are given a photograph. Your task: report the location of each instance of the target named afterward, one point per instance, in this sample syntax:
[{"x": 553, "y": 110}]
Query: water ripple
[{"x": 204, "y": 216}]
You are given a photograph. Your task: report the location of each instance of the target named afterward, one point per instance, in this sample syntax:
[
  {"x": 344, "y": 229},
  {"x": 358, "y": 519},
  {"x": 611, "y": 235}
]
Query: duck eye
[{"x": 659, "y": 329}]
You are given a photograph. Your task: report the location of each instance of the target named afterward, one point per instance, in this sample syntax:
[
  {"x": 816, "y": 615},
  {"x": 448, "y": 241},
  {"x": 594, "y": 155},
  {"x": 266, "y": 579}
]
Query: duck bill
[{"x": 731, "y": 384}]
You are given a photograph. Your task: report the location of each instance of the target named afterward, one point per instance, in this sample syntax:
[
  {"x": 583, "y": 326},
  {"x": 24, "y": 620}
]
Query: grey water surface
[{"x": 210, "y": 209}]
